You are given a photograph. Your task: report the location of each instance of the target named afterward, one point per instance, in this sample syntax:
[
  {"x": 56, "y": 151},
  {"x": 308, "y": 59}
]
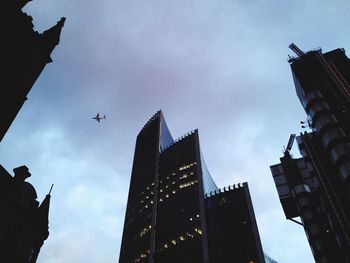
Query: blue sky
[{"x": 219, "y": 66}]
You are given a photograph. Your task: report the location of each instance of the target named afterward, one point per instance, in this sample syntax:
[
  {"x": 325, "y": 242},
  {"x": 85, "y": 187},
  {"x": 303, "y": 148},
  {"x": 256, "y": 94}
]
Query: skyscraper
[
  {"x": 316, "y": 187},
  {"x": 175, "y": 211}
]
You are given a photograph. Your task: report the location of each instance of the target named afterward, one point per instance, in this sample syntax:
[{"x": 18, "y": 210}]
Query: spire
[
  {"x": 22, "y": 3},
  {"x": 51, "y": 37},
  {"x": 44, "y": 208}
]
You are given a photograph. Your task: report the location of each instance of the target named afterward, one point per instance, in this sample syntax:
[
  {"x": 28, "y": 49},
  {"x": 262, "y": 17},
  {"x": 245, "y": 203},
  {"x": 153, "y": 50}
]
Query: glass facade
[
  {"x": 178, "y": 217},
  {"x": 165, "y": 136},
  {"x": 165, "y": 218},
  {"x": 208, "y": 183},
  {"x": 139, "y": 219}
]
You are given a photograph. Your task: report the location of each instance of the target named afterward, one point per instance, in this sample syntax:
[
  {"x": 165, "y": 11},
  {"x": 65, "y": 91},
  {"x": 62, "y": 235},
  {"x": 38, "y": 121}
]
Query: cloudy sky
[{"x": 219, "y": 66}]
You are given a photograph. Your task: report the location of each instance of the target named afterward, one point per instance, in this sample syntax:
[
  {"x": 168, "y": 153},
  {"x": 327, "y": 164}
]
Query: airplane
[{"x": 98, "y": 118}]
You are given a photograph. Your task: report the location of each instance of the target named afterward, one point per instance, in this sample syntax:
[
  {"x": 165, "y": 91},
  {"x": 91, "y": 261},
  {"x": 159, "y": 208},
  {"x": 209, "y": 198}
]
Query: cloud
[{"x": 219, "y": 66}]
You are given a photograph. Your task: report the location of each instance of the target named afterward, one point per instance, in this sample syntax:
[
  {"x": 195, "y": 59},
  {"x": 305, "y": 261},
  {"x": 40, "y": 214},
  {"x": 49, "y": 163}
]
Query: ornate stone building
[{"x": 24, "y": 54}]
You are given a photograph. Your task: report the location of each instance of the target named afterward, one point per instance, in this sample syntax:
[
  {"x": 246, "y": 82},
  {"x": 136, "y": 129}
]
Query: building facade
[
  {"x": 175, "y": 211},
  {"x": 316, "y": 187},
  {"x": 24, "y": 54},
  {"x": 232, "y": 229}
]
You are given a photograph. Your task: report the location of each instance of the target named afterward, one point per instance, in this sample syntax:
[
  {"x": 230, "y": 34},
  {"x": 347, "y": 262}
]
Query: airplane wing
[{"x": 98, "y": 118}]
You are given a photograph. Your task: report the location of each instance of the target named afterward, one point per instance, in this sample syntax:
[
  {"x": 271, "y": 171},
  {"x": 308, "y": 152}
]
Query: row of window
[
  {"x": 145, "y": 231},
  {"x": 187, "y": 166},
  {"x": 167, "y": 195},
  {"x": 147, "y": 194},
  {"x": 184, "y": 167},
  {"x": 142, "y": 256},
  {"x": 181, "y": 238},
  {"x": 148, "y": 203}
]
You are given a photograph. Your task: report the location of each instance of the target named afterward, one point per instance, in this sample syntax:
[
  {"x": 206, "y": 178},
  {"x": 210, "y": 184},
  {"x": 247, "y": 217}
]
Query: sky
[{"x": 219, "y": 66}]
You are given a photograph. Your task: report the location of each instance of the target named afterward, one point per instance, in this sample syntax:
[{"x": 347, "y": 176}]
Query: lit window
[
  {"x": 183, "y": 176},
  {"x": 190, "y": 235},
  {"x": 143, "y": 232},
  {"x": 173, "y": 241}
]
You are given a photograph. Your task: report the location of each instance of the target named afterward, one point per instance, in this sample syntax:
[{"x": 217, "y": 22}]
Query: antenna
[
  {"x": 296, "y": 50},
  {"x": 50, "y": 189},
  {"x": 290, "y": 142}
]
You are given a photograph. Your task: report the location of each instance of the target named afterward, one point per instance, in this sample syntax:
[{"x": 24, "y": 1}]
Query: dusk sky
[{"x": 216, "y": 65}]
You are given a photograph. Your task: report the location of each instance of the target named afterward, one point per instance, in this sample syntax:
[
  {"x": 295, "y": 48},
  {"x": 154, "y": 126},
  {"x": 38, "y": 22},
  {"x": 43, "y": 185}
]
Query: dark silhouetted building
[
  {"x": 175, "y": 211},
  {"x": 316, "y": 187},
  {"x": 23, "y": 222},
  {"x": 24, "y": 54}
]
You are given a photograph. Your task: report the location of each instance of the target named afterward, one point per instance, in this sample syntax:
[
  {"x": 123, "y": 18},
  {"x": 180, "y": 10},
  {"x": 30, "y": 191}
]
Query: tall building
[
  {"x": 316, "y": 187},
  {"x": 24, "y": 54},
  {"x": 175, "y": 211}
]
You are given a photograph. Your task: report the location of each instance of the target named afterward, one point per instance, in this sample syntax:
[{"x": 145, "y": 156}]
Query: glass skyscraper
[{"x": 176, "y": 212}]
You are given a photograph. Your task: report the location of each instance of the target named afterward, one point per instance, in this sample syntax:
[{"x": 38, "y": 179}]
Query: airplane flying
[{"x": 99, "y": 118}]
